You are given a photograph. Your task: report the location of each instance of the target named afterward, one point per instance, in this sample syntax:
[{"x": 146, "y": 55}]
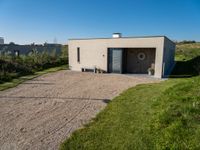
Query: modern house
[{"x": 131, "y": 55}]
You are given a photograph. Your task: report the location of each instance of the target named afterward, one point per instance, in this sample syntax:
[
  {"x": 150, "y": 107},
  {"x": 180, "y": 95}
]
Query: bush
[
  {"x": 187, "y": 68},
  {"x": 187, "y": 42},
  {"x": 196, "y": 65},
  {"x": 12, "y": 67}
]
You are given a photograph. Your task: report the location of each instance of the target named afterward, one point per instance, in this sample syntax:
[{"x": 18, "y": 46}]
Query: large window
[{"x": 78, "y": 54}]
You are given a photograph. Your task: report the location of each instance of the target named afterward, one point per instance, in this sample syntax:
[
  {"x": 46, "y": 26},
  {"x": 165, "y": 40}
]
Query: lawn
[
  {"x": 185, "y": 52},
  {"x": 156, "y": 116},
  {"x": 188, "y": 60},
  {"x": 164, "y": 115},
  {"x": 17, "y": 81}
]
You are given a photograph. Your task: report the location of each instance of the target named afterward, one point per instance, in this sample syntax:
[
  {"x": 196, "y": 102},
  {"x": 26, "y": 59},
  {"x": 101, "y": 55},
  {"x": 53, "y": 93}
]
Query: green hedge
[{"x": 13, "y": 67}]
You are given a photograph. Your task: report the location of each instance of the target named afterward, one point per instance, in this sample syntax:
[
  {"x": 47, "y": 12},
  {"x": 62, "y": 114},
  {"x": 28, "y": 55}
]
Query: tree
[
  {"x": 11, "y": 43},
  {"x": 64, "y": 51}
]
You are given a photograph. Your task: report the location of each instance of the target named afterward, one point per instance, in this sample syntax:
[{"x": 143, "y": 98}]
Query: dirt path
[{"x": 41, "y": 113}]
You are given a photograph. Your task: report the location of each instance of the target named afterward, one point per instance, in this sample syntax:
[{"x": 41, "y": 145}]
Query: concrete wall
[
  {"x": 93, "y": 52},
  {"x": 168, "y": 57}
]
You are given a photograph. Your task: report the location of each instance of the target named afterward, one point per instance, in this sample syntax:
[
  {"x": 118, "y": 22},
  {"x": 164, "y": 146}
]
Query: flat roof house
[{"x": 132, "y": 55}]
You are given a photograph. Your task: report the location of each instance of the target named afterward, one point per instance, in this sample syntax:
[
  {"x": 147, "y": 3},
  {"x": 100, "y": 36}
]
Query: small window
[{"x": 78, "y": 54}]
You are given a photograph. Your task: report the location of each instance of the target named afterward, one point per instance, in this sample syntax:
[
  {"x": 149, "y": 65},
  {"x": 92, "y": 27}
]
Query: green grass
[
  {"x": 157, "y": 116},
  {"x": 21, "y": 79},
  {"x": 185, "y": 52},
  {"x": 164, "y": 115},
  {"x": 187, "y": 60}
]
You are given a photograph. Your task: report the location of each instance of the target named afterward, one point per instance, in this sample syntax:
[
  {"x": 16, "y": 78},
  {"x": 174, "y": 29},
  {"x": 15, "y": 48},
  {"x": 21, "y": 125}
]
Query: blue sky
[{"x": 39, "y": 21}]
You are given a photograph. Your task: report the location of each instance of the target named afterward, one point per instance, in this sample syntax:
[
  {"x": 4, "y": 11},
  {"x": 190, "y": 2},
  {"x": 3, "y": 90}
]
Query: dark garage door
[{"x": 138, "y": 60}]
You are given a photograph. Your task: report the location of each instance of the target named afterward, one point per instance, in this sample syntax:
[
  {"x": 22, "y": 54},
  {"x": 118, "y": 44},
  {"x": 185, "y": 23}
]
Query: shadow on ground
[
  {"x": 185, "y": 69},
  {"x": 61, "y": 98}
]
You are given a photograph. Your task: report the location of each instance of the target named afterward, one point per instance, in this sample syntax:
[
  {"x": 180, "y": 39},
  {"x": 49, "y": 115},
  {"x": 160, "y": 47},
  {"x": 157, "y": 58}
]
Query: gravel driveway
[{"x": 41, "y": 113}]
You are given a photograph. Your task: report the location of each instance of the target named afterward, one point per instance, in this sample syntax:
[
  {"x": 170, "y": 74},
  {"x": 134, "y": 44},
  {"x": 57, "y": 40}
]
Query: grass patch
[
  {"x": 187, "y": 61},
  {"x": 21, "y": 79},
  {"x": 185, "y": 52},
  {"x": 164, "y": 115}
]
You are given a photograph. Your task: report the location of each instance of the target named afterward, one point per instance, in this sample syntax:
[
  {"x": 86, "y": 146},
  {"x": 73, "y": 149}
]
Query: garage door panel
[{"x": 139, "y": 60}]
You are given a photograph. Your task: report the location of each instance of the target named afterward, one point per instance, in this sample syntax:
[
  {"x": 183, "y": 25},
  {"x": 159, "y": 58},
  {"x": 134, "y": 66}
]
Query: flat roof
[
  {"x": 131, "y": 37},
  {"x": 119, "y": 38}
]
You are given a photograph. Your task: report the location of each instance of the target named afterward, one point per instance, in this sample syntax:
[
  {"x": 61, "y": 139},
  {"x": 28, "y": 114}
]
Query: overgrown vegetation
[
  {"x": 185, "y": 52},
  {"x": 188, "y": 60},
  {"x": 15, "y": 66},
  {"x": 186, "y": 42},
  {"x": 14, "y": 82}
]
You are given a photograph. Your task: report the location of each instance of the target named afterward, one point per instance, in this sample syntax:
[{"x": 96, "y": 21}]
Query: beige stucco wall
[{"x": 93, "y": 52}]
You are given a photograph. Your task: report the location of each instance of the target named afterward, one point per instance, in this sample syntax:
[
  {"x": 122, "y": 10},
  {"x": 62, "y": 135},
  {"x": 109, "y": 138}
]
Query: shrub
[
  {"x": 187, "y": 42},
  {"x": 12, "y": 66},
  {"x": 196, "y": 65}
]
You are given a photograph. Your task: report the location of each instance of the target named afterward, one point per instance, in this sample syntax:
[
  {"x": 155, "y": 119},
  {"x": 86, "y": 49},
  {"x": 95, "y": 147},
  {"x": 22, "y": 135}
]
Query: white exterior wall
[{"x": 93, "y": 52}]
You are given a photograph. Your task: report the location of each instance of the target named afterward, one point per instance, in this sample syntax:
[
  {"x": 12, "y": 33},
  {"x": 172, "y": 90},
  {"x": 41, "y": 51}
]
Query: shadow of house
[
  {"x": 188, "y": 68},
  {"x": 60, "y": 98}
]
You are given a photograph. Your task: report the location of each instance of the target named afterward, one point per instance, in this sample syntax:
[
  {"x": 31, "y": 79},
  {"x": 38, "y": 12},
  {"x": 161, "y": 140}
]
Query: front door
[{"x": 115, "y": 60}]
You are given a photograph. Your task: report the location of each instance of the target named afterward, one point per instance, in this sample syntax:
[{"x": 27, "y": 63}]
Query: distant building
[
  {"x": 1, "y": 40},
  {"x": 15, "y": 49}
]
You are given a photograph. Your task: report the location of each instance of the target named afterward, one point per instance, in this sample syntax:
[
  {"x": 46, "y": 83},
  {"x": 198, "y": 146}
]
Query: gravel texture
[{"x": 41, "y": 113}]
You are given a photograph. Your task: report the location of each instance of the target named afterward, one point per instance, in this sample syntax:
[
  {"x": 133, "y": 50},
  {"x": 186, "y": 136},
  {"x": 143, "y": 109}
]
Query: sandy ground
[{"x": 41, "y": 113}]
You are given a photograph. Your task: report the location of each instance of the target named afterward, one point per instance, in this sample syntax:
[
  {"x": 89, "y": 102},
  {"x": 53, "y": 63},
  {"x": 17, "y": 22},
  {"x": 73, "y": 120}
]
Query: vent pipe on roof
[{"x": 117, "y": 35}]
